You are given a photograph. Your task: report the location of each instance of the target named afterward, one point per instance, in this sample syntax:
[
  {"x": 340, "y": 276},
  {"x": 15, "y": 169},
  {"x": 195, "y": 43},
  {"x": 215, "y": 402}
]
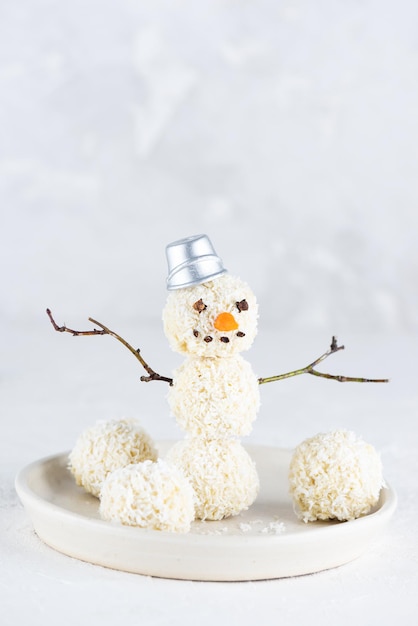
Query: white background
[{"x": 287, "y": 132}]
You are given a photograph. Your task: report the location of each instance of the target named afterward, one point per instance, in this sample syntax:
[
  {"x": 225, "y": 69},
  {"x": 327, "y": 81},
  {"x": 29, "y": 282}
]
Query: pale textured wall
[{"x": 285, "y": 130}]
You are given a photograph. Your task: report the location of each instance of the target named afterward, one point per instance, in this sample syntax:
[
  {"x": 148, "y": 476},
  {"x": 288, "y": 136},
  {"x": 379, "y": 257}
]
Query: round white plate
[{"x": 267, "y": 541}]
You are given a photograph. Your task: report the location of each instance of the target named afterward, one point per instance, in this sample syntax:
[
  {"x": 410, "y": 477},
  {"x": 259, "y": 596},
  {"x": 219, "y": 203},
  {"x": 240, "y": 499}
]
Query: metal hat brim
[{"x": 195, "y": 272}]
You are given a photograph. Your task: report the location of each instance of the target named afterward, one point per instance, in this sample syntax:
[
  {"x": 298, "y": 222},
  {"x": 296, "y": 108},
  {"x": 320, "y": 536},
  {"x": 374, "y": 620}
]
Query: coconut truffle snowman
[{"x": 211, "y": 317}]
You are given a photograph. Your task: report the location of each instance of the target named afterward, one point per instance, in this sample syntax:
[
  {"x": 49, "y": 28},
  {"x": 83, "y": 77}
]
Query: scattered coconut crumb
[
  {"x": 245, "y": 527},
  {"x": 253, "y": 527},
  {"x": 275, "y": 527}
]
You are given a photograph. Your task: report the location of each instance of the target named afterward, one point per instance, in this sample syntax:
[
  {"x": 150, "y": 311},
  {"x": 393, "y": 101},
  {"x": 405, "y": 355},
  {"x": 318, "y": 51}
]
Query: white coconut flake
[
  {"x": 274, "y": 528},
  {"x": 335, "y": 475},
  {"x": 188, "y": 329},
  {"x": 106, "y": 446},
  {"x": 153, "y": 495},
  {"x": 222, "y": 474},
  {"x": 215, "y": 397}
]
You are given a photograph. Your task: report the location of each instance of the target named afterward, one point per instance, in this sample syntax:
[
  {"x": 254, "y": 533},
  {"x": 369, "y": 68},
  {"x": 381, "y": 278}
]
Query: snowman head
[
  {"x": 208, "y": 312},
  {"x": 212, "y": 319}
]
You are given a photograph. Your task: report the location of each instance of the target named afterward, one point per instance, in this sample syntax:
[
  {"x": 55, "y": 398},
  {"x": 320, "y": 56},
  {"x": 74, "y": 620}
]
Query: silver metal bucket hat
[{"x": 192, "y": 261}]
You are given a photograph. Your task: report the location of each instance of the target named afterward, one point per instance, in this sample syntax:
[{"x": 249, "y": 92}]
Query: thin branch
[
  {"x": 309, "y": 369},
  {"x": 75, "y": 333},
  {"x": 106, "y": 331}
]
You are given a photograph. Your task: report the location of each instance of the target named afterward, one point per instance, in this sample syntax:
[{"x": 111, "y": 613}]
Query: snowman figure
[{"x": 211, "y": 317}]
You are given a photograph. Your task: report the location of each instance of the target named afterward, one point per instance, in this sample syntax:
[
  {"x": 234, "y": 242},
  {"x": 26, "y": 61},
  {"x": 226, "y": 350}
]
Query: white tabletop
[{"x": 54, "y": 386}]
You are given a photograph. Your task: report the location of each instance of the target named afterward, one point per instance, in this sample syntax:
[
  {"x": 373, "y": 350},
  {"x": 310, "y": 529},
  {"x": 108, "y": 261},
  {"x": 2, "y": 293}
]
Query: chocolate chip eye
[
  {"x": 199, "y": 306},
  {"x": 242, "y": 306}
]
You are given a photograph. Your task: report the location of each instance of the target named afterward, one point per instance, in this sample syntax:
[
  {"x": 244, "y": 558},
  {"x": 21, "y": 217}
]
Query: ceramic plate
[{"x": 267, "y": 541}]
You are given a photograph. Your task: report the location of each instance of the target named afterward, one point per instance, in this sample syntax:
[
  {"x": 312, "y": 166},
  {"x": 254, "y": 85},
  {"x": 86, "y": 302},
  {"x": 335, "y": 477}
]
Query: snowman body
[
  {"x": 215, "y": 397},
  {"x": 215, "y": 393}
]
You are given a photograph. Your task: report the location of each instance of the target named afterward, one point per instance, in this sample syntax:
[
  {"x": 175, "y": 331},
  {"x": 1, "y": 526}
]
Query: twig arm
[
  {"x": 75, "y": 333},
  {"x": 310, "y": 369},
  {"x": 106, "y": 331}
]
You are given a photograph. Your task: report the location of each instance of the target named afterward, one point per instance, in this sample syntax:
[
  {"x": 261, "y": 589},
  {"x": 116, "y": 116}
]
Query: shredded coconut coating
[
  {"x": 222, "y": 474},
  {"x": 149, "y": 495},
  {"x": 335, "y": 475},
  {"x": 215, "y": 397},
  {"x": 107, "y": 446},
  {"x": 192, "y": 331}
]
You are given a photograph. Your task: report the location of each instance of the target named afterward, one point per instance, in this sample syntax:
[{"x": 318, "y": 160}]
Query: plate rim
[{"x": 32, "y": 501}]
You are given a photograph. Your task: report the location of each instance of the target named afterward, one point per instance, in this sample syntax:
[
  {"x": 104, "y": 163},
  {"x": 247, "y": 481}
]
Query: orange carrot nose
[{"x": 225, "y": 321}]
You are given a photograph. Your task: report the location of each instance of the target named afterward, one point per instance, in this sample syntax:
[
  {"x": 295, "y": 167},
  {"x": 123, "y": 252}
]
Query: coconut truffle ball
[
  {"x": 335, "y": 475},
  {"x": 222, "y": 474},
  {"x": 105, "y": 447},
  {"x": 149, "y": 495},
  {"x": 215, "y": 397},
  {"x": 216, "y": 318}
]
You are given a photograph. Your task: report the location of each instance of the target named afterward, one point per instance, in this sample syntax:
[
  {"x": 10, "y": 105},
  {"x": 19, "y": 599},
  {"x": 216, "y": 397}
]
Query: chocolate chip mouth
[{"x": 224, "y": 339}]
